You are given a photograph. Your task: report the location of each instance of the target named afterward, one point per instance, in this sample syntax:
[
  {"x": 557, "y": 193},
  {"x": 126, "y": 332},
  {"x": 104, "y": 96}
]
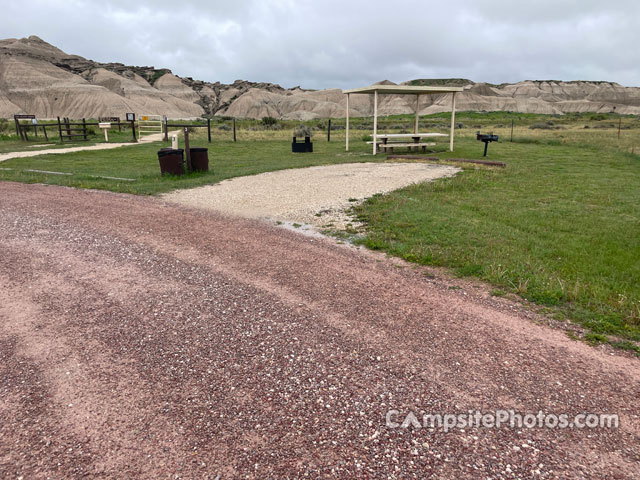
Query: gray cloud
[{"x": 346, "y": 44}]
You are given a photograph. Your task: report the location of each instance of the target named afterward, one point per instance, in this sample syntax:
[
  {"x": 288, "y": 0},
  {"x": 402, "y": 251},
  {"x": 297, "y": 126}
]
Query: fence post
[
  {"x": 512, "y": 130},
  {"x": 209, "y": 128},
  {"x": 186, "y": 148},
  {"x": 329, "y": 131},
  {"x": 165, "y": 124},
  {"x": 234, "y": 129},
  {"x": 133, "y": 130},
  {"x": 60, "y": 130},
  {"x": 619, "y": 127},
  {"x": 84, "y": 129}
]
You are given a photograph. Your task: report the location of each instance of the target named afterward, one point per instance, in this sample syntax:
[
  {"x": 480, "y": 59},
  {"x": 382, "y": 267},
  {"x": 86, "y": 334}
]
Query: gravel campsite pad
[{"x": 314, "y": 195}]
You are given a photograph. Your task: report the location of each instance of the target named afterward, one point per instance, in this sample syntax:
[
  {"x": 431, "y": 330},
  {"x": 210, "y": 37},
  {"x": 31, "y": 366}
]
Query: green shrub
[
  {"x": 544, "y": 126},
  {"x": 302, "y": 131},
  {"x": 269, "y": 121}
]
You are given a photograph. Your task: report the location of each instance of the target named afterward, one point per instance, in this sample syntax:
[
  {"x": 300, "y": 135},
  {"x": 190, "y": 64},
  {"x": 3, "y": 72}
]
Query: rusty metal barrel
[
  {"x": 171, "y": 161},
  {"x": 199, "y": 159}
]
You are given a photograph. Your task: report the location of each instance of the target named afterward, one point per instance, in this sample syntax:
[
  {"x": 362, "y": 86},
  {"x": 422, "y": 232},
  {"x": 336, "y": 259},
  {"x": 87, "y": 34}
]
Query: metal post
[
  {"x": 347, "y": 126},
  {"x": 234, "y": 129},
  {"x": 133, "y": 130},
  {"x": 619, "y": 127},
  {"x": 415, "y": 126},
  {"x": 453, "y": 120},
  {"x": 329, "y": 131},
  {"x": 375, "y": 121},
  {"x": 512, "y": 130},
  {"x": 209, "y": 129},
  {"x": 186, "y": 148},
  {"x": 84, "y": 129}
]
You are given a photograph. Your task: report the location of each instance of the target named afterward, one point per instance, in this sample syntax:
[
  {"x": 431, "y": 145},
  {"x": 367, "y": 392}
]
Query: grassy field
[
  {"x": 140, "y": 163},
  {"x": 560, "y": 226},
  {"x": 10, "y": 142}
]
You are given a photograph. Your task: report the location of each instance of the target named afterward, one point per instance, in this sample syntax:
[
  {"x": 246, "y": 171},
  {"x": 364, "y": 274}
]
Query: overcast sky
[{"x": 322, "y": 44}]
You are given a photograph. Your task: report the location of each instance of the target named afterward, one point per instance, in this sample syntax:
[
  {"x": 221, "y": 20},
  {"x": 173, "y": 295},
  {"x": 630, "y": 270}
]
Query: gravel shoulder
[
  {"x": 143, "y": 339},
  {"x": 315, "y": 195}
]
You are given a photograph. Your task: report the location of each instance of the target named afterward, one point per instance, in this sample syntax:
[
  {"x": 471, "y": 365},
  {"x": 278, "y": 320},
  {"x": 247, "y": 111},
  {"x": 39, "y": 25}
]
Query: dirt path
[
  {"x": 140, "y": 339},
  {"x": 155, "y": 137},
  {"x": 315, "y": 196}
]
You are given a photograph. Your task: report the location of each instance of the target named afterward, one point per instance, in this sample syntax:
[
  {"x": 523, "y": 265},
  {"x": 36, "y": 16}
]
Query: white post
[
  {"x": 415, "y": 127},
  {"x": 453, "y": 120},
  {"x": 347, "y": 127},
  {"x": 375, "y": 121}
]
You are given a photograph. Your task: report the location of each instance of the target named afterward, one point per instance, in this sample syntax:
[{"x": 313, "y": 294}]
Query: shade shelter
[{"x": 402, "y": 90}]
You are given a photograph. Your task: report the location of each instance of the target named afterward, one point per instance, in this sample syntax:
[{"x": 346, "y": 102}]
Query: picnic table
[{"x": 383, "y": 143}]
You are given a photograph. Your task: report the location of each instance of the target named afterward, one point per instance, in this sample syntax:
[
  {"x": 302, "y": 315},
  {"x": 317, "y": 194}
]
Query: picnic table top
[{"x": 410, "y": 135}]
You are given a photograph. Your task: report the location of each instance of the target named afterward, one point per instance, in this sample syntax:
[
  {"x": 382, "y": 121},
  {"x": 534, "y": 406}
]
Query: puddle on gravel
[
  {"x": 303, "y": 228},
  {"x": 336, "y": 236}
]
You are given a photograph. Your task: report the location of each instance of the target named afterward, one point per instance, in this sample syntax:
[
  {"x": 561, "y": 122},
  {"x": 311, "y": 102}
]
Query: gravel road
[{"x": 141, "y": 339}]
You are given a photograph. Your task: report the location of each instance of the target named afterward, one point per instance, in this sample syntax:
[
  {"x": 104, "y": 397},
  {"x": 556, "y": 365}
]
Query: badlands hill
[{"x": 40, "y": 79}]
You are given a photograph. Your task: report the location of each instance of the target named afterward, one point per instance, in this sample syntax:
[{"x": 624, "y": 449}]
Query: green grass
[
  {"x": 560, "y": 226},
  {"x": 140, "y": 162},
  {"x": 10, "y": 142}
]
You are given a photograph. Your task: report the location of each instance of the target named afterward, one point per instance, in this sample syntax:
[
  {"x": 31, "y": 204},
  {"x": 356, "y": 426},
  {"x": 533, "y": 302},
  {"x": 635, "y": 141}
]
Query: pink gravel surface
[{"x": 140, "y": 339}]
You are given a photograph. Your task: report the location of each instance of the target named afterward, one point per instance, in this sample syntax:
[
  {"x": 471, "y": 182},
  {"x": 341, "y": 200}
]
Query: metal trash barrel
[
  {"x": 171, "y": 161},
  {"x": 199, "y": 159}
]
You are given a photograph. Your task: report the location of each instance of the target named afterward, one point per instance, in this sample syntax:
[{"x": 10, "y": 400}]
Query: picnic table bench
[{"x": 382, "y": 141}]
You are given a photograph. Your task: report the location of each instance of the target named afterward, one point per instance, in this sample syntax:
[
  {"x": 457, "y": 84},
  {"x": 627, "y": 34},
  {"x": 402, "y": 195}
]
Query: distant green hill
[{"x": 444, "y": 82}]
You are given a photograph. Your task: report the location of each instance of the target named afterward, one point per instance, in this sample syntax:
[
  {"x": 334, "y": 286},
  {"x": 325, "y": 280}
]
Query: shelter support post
[
  {"x": 453, "y": 120},
  {"x": 375, "y": 122},
  {"x": 415, "y": 126},
  {"x": 347, "y": 126}
]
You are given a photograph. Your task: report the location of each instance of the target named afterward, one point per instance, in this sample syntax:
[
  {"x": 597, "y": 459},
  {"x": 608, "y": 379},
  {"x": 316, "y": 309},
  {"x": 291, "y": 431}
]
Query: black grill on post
[{"x": 486, "y": 138}]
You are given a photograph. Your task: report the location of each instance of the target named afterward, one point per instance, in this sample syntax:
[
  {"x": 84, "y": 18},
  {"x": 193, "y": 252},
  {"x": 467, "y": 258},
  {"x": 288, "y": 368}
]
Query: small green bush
[
  {"x": 544, "y": 126},
  {"x": 269, "y": 121},
  {"x": 302, "y": 131}
]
